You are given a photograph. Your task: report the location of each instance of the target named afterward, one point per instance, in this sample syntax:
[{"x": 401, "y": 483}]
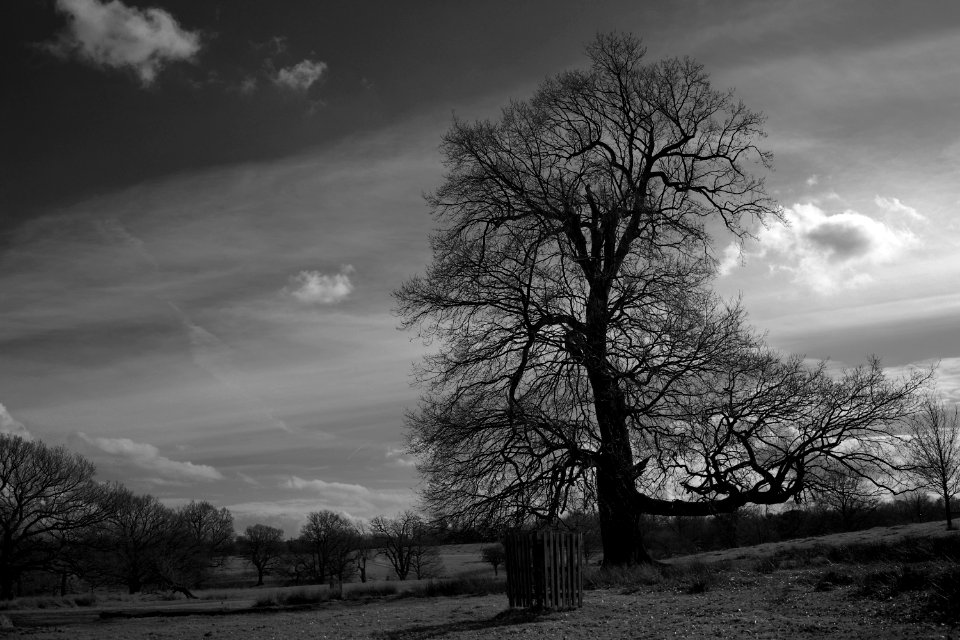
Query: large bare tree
[
  {"x": 582, "y": 357},
  {"x": 933, "y": 449},
  {"x": 46, "y": 493}
]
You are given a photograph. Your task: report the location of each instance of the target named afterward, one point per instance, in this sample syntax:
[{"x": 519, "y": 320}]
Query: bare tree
[
  {"x": 405, "y": 542},
  {"x": 136, "y": 545},
  {"x": 262, "y": 545},
  {"x": 366, "y": 548},
  {"x": 583, "y": 356},
  {"x": 332, "y": 538},
  {"x": 46, "y": 494},
  {"x": 933, "y": 446},
  {"x": 494, "y": 555},
  {"x": 209, "y": 531},
  {"x": 846, "y": 492}
]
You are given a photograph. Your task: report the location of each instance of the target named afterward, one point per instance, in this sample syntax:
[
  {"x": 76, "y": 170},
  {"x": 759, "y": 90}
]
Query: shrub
[
  {"x": 463, "y": 586},
  {"x": 294, "y": 597},
  {"x": 832, "y": 579},
  {"x": 767, "y": 564},
  {"x": 370, "y": 590},
  {"x": 944, "y": 599}
]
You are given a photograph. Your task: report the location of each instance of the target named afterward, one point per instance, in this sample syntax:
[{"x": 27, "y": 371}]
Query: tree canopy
[{"x": 583, "y": 359}]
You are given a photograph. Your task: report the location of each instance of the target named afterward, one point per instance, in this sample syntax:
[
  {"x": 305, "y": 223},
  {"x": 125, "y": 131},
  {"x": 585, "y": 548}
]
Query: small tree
[
  {"x": 933, "y": 449},
  {"x": 494, "y": 555},
  {"x": 46, "y": 493},
  {"x": 331, "y": 538},
  {"x": 138, "y": 542},
  {"x": 366, "y": 548},
  {"x": 262, "y": 546},
  {"x": 846, "y": 493},
  {"x": 404, "y": 541},
  {"x": 209, "y": 530}
]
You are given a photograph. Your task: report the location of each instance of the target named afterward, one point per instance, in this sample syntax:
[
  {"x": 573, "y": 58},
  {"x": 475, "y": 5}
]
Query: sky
[{"x": 205, "y": 207}]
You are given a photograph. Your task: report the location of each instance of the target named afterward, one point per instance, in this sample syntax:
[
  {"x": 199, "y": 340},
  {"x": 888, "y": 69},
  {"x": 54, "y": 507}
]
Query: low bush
[
  {"x": 623, "y": 577},
  {"x": 302, "y": 596},
  {"x": 944, "y": 598},
  {"x": 49, "y": 602},
  {"x": 831, "y": 579},
  {"x": 695, "y": 577},
  {"x": 464, "y": 586},
  {"x": 370, "y": 590}
]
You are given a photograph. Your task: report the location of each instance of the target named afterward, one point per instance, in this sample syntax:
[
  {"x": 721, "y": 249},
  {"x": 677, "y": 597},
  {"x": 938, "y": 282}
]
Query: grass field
[{"x": 881, "y": 583}]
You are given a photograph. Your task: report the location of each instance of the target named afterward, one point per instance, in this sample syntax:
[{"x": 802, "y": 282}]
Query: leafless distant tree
[
  {"x": 933, "y": 445},
  {"x": 494, "y": 555},
  {"x": 366, "y": 548},
  {"x": 136, "y": 544},
  {"x": 209, "y": 531},
  {"x": 262, "y": 546},
  {"x": 846, "y": 492},
  {"x": 331, "y": 538},
  {"x": 582, "y": 355},
  {"x": 405, "y": 542},
  {"x": 46, "y": 493}
]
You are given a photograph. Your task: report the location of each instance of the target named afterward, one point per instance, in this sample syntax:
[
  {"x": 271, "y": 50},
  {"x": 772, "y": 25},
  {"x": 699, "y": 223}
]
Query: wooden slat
[{"x": 544, "y": 569}]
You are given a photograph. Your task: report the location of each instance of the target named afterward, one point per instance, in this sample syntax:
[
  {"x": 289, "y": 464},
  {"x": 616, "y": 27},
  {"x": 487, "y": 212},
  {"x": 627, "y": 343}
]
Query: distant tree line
[
  {"x": 58, "y": 524},
  {"x": 61, "y": 529}
]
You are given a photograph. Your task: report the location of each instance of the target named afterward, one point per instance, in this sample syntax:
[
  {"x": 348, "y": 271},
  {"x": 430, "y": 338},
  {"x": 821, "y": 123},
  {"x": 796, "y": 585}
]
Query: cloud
[
  {"x": 114, "y": 35},
  {"x": 302, "y": 75},
  {"x": 813, "y": 180},
  {"x": 248, "y": 85},
  {"x": 947, "y": 381},
  {"x": 147, "y": 457},
  {"x": 9, "y": 425},
  {"x": 354, "y": 499},
  {"x": 894, "y": 206},
  {"x": 313, "y": 287},
  {"x": 399, "y": 457},
  {"x": 828, "y": 252}
]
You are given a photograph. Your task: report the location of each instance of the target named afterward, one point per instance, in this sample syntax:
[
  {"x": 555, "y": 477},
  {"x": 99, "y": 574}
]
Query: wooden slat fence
[{"x": 544, "y": 569}]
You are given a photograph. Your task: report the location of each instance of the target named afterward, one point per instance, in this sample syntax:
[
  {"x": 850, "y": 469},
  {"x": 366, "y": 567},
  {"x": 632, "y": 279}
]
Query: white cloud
[
  {"x": 731, "y": 259},
  {"x": 147, "y": 457},
  {"x": 321, "y": 486},
  {"x": 894, "y": 206},
  {"x": 829, "y": 252},
  {"x": 114, "y": 35},
  {"x": 400, "y": 458},
  {"x": 813, "y": 180},
  {"x": 248, "y": 85},
  {"x": 354, "y": 499},
  {"x": 947, "y": 381},
  {"x": 313, "y": 287},
  {"x": 9, "y": 425},
  {"x": 302, "y": 75}
]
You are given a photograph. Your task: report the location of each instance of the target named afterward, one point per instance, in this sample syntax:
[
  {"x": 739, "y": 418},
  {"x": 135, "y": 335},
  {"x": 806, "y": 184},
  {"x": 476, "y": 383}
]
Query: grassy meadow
[{"x": 886, "y": 582}]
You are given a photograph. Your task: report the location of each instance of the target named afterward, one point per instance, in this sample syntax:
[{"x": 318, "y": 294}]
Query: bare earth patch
[{"x": 742, "y": 604}]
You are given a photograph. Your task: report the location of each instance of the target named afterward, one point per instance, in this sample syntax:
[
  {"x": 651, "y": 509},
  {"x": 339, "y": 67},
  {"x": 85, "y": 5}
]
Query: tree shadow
[{"x": 506, "y": 618}]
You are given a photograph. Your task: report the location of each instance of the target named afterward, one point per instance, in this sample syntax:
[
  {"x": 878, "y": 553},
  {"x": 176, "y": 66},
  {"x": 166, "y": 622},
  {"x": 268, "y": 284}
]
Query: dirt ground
[{"x": 742, "y": 604}]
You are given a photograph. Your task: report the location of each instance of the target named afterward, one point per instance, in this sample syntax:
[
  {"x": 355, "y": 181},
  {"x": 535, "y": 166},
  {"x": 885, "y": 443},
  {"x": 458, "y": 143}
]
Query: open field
[{"x": 735, "y": 594}]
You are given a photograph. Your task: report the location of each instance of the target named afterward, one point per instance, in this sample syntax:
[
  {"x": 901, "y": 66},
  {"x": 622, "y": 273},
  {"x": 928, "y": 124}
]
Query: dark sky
[{"x": 204, "y": 208}]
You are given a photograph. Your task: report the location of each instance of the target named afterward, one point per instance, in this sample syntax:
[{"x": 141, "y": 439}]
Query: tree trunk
[
  {"x": 946, "y": 507},
  {"x": 620, "y": 530},
  {"x": 134, "y": 585},
  {"x": 259, "y": 576},
  {"x": 7, "y": 580}
]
